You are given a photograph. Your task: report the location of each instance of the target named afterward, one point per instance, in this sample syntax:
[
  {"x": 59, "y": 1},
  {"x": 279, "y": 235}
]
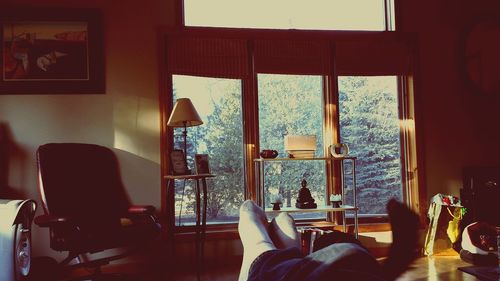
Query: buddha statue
[{"x": 305, "y": 200}]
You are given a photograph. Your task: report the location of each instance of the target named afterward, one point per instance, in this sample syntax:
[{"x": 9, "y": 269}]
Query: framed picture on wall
[
  {"x": 51, "y": 51},
  {"x": 201, "y": 164}
]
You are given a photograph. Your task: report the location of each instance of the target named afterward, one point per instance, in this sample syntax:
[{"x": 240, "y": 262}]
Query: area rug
[{"x": 487, "y": 273}]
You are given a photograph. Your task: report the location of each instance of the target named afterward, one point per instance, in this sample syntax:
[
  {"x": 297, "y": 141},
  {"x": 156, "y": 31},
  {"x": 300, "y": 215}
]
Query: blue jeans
[{"x": 338, "y": 261}]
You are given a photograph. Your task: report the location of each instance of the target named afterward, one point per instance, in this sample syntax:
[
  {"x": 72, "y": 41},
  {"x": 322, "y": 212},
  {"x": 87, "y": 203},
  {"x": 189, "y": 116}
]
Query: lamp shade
[{"x": 184, "y": 114}]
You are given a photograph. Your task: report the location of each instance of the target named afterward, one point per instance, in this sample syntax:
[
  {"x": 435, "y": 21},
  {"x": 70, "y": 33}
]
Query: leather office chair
[{"x": 85, "y": 204}]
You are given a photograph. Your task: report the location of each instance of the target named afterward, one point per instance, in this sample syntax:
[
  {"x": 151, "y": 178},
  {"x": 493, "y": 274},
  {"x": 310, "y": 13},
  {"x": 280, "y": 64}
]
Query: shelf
[
  {"x": 260, "y": 165},
  {"x": 304, "y": 159},
  {"x": 188, "y": 177},
  {"x": 318, "y": 209}
]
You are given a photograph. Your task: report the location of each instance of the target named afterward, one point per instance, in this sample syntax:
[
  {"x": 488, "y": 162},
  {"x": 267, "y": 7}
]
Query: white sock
[
  {"x": 283, "y": 231},
  {"x": 252, "y": 228}
]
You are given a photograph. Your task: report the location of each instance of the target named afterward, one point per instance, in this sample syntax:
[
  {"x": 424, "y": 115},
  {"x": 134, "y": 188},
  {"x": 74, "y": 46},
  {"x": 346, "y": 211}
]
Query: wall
[
  {"x": 458, "y": 127},
  {"x": 126, "y": 118}
]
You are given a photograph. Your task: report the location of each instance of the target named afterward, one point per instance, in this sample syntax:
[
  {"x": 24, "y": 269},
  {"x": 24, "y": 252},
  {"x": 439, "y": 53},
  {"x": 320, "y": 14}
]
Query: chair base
[
  {"x": 103, "y": 276},
  {"x": 94, "y": 265}
]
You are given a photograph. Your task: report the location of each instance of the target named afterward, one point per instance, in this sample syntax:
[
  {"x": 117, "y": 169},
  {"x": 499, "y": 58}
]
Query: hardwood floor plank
[{"x": 436, "y": 268}]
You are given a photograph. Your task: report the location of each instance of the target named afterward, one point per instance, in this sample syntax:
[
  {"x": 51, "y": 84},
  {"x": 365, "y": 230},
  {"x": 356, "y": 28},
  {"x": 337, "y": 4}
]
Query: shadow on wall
[
  {"x": 141, "y": 177},
  {"x": 8, "y": 151}
]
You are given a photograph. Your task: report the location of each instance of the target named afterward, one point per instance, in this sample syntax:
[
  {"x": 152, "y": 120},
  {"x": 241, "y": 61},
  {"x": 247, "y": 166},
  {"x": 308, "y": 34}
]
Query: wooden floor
[{"x": 436, "y": 268}]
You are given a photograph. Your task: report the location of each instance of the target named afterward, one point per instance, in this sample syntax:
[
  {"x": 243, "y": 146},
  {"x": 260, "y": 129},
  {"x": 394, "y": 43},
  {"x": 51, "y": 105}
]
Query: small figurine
[{"x": 305, "y": 200}]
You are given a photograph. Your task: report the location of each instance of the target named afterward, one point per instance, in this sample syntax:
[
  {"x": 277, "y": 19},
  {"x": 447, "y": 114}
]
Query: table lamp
[{"x": 184, "y": 115}]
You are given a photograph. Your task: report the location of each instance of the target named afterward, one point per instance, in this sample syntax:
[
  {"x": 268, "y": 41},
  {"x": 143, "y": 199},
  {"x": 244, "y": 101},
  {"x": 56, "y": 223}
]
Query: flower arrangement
[
  {"x": 276, "y": 200},
  {"x": 448, "y": 200},
  {"x": 336, "y": 200}
]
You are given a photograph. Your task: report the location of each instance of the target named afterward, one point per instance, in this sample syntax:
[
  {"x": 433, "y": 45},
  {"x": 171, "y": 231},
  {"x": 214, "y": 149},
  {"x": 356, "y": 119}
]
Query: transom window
[{"x": 369, "y": 15}]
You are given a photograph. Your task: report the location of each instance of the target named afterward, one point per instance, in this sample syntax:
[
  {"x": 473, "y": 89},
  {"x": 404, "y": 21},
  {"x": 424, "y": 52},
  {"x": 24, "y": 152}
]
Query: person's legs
[
  {"x": 283, "y": 232},
  {"x": 252, "y": 228},
  {"x": 341, "y": 257},
  {"x": 342, "y": 261}
]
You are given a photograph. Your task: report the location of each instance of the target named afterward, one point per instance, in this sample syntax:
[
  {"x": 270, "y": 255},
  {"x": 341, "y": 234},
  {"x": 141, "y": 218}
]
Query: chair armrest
[
  {"x": 141, "y": 210},
  {"x": 143, "y": 214},
  {"x": 50, "y": 221}
]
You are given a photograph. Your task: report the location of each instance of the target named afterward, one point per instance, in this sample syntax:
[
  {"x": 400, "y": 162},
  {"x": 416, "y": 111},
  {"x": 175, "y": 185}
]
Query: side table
[{"x": 201, "y": 213}]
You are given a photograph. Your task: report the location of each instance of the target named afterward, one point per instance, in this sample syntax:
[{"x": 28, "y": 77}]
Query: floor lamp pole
[{"x": 185, "y": 143}]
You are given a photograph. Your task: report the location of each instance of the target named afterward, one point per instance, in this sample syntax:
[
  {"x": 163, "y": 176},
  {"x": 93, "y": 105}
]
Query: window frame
[
  {"x": 209, "y": 182},
  {"x": 412, "y": 192},
  {"x": 409, "y": 183},
  {"x": 391, "y": 21}
]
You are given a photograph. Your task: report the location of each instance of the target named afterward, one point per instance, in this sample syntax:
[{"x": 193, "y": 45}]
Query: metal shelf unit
[{"x": 260, "y": 166}]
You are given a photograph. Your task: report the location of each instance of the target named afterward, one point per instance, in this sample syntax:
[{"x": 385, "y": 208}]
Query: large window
[
  {"x": 369, "y": 124},
  {"x": 253, "y": 91},
  {"x": 292, "y": 105},
  {"x": 218, "y": 101},
  {"x": 370, "y": 15}
]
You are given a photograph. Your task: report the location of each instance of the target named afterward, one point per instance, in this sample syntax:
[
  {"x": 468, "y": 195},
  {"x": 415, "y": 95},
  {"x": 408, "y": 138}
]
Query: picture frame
[
  {"x": 178, "y": 161},
  {"x": 201, "y": 164},
  {"x": 51, "y": 51}
]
